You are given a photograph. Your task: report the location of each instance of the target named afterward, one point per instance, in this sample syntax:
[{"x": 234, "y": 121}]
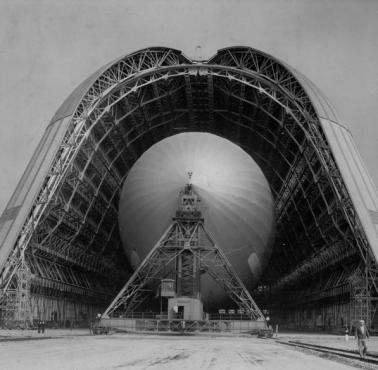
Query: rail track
[{"x": 371, "y": 359}]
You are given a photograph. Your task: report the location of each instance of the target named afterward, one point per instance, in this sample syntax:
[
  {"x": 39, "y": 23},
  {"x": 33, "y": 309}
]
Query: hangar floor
[{"x": 65, "y": 349}]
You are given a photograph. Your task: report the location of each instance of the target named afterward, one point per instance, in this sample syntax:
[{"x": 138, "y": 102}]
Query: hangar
[{"x": 61, "y": 255}]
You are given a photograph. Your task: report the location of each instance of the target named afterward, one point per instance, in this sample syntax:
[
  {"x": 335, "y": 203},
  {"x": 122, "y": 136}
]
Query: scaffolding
[
  {"x": 363, "y": 304},
  {"x": 16, "y": 304}
]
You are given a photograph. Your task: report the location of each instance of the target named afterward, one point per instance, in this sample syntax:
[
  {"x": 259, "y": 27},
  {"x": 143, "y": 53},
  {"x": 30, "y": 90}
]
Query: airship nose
[{"x": 236, "y": 201}]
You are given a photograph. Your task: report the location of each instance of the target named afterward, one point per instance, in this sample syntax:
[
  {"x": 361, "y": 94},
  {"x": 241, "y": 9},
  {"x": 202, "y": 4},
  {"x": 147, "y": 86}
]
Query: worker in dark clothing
[
  {"x": 41, "y": 326},
  {"x": 362, "y": 334}
]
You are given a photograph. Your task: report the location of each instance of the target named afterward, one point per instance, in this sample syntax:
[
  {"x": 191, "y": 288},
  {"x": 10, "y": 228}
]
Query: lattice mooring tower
[{"x": 185, "y": 251}]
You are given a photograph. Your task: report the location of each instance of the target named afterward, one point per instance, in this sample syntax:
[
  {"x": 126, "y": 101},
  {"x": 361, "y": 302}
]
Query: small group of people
[{"x": 41, "y": 326}]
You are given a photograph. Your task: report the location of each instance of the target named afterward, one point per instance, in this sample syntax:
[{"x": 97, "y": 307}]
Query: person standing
[
  {"x": 346, "y": 332},
  {"x": 362, "y": 334}
]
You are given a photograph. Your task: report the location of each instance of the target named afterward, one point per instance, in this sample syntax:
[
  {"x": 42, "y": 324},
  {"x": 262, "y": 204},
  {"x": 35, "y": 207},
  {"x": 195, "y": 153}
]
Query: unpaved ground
[{"x": 120, "y": 351}]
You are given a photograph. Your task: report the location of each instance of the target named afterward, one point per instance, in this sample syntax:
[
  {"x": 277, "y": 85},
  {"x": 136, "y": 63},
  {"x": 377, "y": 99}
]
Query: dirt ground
[{"x": 65, "y": 349}]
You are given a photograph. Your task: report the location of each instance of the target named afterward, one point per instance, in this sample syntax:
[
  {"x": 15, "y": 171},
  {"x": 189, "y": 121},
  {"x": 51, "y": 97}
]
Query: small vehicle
[
  {"x": 265, "y": 333},
  {"x": 97, "y": 329}
]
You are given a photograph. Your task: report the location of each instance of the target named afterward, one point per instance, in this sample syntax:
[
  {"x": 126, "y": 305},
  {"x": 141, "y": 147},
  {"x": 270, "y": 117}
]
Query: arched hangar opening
[{"x": 62, "y": 218}]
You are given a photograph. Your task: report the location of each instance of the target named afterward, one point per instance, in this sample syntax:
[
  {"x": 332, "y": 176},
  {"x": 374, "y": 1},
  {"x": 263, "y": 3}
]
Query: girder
[
  {"x": 184, "y": 251},
  {"x": 240, "y": 94},
  {"x": 290, "y": 193}
]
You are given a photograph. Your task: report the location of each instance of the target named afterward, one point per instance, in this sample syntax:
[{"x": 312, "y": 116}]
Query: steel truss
[
  {"x": 255, "y": 101},
  {"x": 185, "y": 251},
  {"x": 345, "y": 286},
  {"x": 15, "y": 308}
]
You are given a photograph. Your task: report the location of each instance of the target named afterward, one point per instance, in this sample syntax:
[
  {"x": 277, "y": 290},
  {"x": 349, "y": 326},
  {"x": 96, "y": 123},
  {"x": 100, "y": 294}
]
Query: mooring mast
[{"x": 185, "y": 251}]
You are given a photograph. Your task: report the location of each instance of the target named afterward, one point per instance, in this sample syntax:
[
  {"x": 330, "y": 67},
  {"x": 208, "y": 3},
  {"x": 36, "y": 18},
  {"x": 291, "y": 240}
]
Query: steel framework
[
  {"x": 63, "y": 214},
  {"x": 185, "y": 251}
]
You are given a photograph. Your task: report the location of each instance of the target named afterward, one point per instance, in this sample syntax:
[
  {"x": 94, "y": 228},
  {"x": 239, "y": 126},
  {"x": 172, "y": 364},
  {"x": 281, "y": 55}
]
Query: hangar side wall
[
  {"x": 361, "y": 188},
  {"x": 62, "y": 312},
  {"x": 325, "y": 317},
  {"x": 22, "y": 200}
]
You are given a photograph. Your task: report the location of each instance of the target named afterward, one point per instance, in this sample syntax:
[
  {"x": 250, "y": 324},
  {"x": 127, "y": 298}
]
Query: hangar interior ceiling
[{"x": 70, "y": 236}]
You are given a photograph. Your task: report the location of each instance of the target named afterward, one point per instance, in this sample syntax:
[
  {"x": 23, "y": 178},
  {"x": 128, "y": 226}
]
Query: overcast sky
[{"x": 48, "y": 47}]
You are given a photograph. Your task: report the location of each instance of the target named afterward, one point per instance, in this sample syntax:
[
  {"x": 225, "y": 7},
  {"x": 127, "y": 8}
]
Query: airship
[{"x": 236, "y": 203}]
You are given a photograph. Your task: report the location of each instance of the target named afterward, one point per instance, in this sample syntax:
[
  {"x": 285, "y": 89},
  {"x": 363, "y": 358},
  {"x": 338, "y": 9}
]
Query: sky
[{"x": 47, "y": 47}]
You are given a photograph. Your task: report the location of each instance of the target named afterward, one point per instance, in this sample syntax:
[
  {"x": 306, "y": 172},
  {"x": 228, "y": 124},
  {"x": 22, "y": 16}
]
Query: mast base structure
[{"x": 175, "y": 264}]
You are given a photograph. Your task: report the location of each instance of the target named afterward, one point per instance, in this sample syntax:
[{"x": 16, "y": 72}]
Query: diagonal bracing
[{"x": 185, "y": 242}]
